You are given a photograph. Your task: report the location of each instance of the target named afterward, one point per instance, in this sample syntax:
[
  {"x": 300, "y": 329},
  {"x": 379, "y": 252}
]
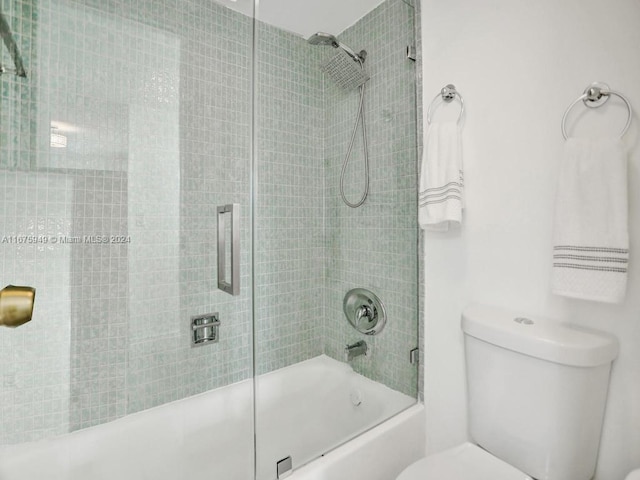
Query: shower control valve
[
  {"x": 364, "y": 311},
  {"x": 365, "y": 316}
]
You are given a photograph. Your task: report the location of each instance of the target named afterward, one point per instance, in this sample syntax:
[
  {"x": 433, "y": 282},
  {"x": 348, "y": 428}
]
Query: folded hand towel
[
  {"x": 440, "y": 199},
  {"x": 591, "y": 240}
]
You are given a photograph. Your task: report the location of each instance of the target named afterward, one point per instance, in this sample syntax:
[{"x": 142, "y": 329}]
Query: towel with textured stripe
[
  {"x": 440, "y": 199},
  {"x": 591, "y": 239}
]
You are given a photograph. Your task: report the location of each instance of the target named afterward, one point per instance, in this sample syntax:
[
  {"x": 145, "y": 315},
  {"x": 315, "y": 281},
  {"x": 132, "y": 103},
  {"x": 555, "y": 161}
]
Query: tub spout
[{"x": 355, "y": 350}]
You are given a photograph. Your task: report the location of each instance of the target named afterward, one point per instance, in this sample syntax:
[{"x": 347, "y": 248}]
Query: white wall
[
  {"x": 308, "y": 17},
  {"x": 518, "y": 65}
]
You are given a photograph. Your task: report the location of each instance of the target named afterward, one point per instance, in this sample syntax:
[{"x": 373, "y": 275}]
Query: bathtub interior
[
  {"x": 304, "y": 411},
  {"x": 314, "y": 406}
]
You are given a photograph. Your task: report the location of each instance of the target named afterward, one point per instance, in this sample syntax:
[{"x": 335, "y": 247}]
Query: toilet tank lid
[{"x": 539, "y": 337}]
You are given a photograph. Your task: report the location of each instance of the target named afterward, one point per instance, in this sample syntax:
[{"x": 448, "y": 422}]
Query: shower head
[
  {"x": 347, "y": 66},
  {"x": 347, "y": 73},
  {"x": 326, "y": 39}
]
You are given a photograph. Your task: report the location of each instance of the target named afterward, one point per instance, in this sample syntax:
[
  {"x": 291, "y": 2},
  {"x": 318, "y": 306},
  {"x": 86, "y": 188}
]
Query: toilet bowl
[
  {"x": 524, "y": 377},
  {"x": 635, "y": 475},
  {"x": 464, "y": 462}
]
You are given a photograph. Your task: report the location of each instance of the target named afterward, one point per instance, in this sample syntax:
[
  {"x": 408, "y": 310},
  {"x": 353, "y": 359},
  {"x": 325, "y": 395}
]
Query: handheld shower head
[{"x": 346, "y": 68}]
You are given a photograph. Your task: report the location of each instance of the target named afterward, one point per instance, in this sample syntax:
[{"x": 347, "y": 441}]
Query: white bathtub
[{"x": 303, "y": 410}]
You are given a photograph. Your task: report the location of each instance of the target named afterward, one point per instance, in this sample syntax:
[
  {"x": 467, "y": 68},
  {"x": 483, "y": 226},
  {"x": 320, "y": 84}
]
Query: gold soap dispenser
[{"x": 16, "y": 305}]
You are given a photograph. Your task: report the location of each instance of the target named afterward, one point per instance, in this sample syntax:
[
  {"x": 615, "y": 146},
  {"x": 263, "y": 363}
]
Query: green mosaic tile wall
[
  {"x": 290, "y": 242},
  {"x": 155, "y": 99},
  {"x": 311, "y": 248},
  {"x": 375, "y": 246}
]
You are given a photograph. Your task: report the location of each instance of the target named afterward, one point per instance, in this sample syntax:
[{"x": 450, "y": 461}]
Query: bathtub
[{"x": 303, "y": 410}]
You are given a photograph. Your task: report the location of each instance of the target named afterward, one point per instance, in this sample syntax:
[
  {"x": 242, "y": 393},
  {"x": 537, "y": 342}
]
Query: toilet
[
  {"x": 635, "y": 475},
  {"x": 537, "y": 391}
]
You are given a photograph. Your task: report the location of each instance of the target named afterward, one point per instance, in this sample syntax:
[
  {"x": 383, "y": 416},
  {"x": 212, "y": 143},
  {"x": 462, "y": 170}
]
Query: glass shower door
[{"x": 133, "y": 124}]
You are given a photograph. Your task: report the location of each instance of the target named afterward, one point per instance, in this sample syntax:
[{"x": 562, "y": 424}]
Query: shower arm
[
  {"x": 358, "y": 57},
  {"x": 326, "y": 39}
]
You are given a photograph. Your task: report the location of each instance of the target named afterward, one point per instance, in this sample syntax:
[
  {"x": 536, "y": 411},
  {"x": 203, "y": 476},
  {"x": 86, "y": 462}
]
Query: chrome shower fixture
[
  {"x": 326, "y": 39},
  {"x": 321, "y": 38},
  {"x": 348, "y": 75}
]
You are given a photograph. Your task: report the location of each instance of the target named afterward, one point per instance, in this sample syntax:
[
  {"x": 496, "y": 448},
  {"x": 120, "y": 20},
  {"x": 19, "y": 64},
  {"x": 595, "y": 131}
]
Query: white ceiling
[{"x": 306, "y": 17}]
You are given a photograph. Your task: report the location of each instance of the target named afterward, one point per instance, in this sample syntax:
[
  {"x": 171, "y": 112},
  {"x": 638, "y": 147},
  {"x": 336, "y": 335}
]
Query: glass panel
[
  {"x": 311, "y": 248},
  {"x": 134, "y": 123}
]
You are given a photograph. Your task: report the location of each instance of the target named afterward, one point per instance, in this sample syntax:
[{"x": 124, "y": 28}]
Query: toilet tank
[{"x": 537, "y": 390}]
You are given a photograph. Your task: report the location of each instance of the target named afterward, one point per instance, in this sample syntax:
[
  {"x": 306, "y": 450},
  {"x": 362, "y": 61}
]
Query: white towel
[
  {"x": 591, "y": 239},
  {"x": 440, "y": 199}
]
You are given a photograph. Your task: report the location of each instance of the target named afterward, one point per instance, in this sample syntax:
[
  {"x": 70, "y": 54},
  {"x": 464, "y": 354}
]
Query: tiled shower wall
[
  {"x": 290, "y": 243},
  {"x": 155, "y": 100},
  {"x": 375, "y": 246},
  {"x": 310, "y": 247}
]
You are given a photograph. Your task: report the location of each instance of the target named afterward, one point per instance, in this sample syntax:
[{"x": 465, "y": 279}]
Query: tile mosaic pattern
[
  {"x": 17, "y": 95},
  {"x": 310, "y": 248},
  {"x": 99, "y": 279},
  {"x": 34, "y": 358},
  {"x": 290, "y": 249},
  {"x": 375, "y": 246},
  {"x": 162, "y": 93},
  {"x": 215, "y": 144},
  {"x": 157, "y": 138}
]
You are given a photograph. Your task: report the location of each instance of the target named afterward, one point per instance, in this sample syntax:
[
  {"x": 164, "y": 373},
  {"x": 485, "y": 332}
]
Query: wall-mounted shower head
[
  {"x": 347, "y": 69},
  {"x": 343, "y": 70},
  {"x": 326, "y": 39}
]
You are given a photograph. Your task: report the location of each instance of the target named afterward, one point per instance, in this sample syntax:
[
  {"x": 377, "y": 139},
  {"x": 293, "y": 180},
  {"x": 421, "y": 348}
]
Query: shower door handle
[{"x": 232, "y": 287}]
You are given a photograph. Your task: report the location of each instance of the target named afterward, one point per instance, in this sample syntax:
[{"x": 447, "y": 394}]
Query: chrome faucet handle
[
  {"x": 365, "y": 316},
  {"x": 364, "y": 311}
]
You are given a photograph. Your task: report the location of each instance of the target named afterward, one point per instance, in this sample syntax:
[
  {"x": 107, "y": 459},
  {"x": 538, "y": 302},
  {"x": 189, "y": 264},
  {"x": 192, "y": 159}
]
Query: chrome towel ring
[
  {"x": 594, "y": 96},
  {"x": 447, "y": 94}
]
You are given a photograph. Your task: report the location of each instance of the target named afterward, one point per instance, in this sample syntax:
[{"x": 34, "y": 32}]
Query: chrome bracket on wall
[
  {"x": 232, "y": 286},
  {"x": 411, "y": 53},
  {"x": 414, "y": 356}
]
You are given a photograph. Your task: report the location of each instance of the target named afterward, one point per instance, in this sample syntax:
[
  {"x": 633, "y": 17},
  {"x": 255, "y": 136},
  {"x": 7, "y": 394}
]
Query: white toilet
[
  {"x": 536, "y": 396},
  {"x": 635, "y": 475}
]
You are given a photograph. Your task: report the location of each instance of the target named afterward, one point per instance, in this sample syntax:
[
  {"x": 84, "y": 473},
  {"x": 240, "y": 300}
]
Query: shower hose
[{"x": 359, "y": 119}]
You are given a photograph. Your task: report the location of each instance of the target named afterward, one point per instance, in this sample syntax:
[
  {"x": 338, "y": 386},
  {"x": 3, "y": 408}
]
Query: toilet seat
[
  {"x": 464, "y": 462},
  {"x": 635, "y": 475}
]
